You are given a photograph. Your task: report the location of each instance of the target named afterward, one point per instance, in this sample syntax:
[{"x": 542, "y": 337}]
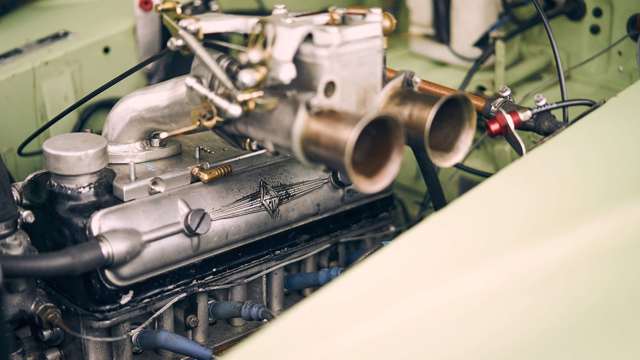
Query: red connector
[{"x": 499, "y": 124}]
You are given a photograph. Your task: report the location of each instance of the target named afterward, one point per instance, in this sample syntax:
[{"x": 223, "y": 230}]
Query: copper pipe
[{"x": 431, "y": 88}]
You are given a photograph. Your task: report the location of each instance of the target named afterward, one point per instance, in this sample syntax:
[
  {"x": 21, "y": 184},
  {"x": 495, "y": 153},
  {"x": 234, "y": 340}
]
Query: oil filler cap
[{"x": 75, "y": 154}]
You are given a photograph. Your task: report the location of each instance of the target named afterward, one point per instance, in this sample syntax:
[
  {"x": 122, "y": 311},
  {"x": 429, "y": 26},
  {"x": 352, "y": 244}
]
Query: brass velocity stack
[
  {"x": 368, "y": 150},
  {"x": 443, "y": 126}
]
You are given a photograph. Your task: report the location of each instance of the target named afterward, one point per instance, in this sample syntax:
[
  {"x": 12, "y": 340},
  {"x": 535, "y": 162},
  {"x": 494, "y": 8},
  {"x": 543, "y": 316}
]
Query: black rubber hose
[
  {"x": 90, "y": 110},
  {"x": 563, "y": 105},
  {"x": 431, "y": 180},
  {"x": 475, "y": 67},
  {"x": 82, "y": 101},
  {"x": 73, "y": 260},
  {"x": 473, "y": 171},
  {"x": 165, "y": 340}
]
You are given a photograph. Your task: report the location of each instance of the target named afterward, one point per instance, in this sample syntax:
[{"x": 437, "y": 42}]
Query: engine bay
[{"x": 287, "y": 147}]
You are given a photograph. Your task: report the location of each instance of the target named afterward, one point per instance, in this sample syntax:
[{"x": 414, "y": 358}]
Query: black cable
[
  {"x": 459, "y": 55},
  {"x": 489, "y": 50},
  {"x": 73, "y": 260},
  {"x": 430, "y": 177},
  {"x": 475, "y": 67},
  {"x": 563, "y": 105},
  {"x": 597, "y": 54},
  {"x": 578, "y": 65},
  {"x": 556, "y": 55},
  {"x": 82, "y": 101},
  {"x": 90, "y": 110},
  {"x": 473, "y": 171},
  {"x": 585, "y": 113}
]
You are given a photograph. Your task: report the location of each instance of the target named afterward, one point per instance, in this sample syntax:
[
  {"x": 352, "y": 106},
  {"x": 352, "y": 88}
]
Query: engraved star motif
[{"x": 269, "y": 199}]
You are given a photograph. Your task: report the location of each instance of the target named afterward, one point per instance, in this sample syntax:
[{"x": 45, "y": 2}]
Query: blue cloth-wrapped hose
[{"x": 165, "y": 340}]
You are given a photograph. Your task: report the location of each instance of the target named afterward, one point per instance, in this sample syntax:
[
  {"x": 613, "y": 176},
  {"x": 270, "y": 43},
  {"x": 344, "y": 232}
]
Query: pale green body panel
[{"x": 37, "y": 85}]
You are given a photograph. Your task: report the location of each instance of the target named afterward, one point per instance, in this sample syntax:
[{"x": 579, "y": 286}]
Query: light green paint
[{"x": 36, "y": 85}]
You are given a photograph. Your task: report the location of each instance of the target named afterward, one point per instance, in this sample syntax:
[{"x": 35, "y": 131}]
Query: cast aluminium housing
[{"x": 244, "y": 207}]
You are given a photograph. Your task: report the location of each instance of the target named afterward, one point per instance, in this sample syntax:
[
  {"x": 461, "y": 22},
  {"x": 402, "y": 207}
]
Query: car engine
[{"x": 212, "y": 201}]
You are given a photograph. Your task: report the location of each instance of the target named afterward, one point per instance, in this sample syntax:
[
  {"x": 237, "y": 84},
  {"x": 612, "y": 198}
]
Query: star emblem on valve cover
[{"x": 267, "y": 198}]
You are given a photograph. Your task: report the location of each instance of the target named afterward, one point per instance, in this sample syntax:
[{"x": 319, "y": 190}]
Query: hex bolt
[
  {"x": 197, "y": 222},
  {"x": 504, "y": 91},
  {"x": 540, "y": 100}
]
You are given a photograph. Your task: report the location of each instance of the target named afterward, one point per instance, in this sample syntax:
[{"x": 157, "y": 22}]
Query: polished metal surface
[
  {"x": 444, "y": 126},
  {"x": 164, "y": 106},
  {"x": 273, "y": 195},
  {"x": 337, "y": 70},
  {"x": 75, "y": 154},
  {"x": 175, "y": 171},
  {"x": 368, "y": 150},
  {"x": 276, "y": 291}
]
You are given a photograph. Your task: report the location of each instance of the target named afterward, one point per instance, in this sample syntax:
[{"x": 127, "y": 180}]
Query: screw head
[
  {"x": 197, "y": 222},
  {"x": 540, "y": 100},
  {"x": 504, "y": 91}
]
